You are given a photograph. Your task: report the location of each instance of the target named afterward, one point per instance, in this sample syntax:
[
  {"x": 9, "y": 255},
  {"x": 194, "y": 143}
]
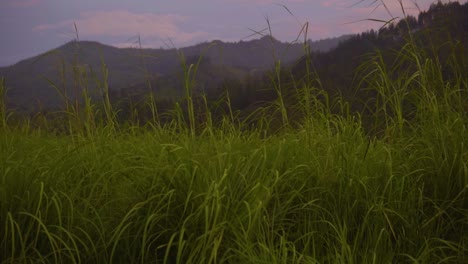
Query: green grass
[{"x": 324, "y": 190}]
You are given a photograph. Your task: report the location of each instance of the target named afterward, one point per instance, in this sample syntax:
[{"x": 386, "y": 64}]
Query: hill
[{"x": 70, "y": 68}]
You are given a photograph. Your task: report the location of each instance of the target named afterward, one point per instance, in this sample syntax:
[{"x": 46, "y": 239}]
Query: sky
[{"x": 31, "y": 27}]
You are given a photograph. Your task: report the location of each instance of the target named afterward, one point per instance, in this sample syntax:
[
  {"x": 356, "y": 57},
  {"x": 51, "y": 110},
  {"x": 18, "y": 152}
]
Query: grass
[{"x": 322, "y": 191}]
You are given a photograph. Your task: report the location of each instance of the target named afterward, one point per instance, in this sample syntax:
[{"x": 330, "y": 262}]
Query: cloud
[{"x": 120, "y": 23}]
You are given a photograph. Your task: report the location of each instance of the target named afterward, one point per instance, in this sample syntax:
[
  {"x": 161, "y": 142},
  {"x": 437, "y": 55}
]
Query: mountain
[
  {"x": 38, "y": 82},
  {"x": 30, "y": 82}
]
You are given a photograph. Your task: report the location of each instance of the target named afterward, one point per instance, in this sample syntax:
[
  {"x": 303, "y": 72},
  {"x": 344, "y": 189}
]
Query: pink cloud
[{"x": 124, "y": 24}]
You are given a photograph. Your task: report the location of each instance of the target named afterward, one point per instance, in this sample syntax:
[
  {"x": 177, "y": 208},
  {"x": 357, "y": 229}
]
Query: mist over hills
[{"x": 33, "y": 83}]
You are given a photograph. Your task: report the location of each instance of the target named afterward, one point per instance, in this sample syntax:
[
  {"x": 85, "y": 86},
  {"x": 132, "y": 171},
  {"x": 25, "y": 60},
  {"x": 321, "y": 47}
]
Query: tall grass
[
  {"x": 3, "y": 110},
  {"x": 323, "y": 191}
]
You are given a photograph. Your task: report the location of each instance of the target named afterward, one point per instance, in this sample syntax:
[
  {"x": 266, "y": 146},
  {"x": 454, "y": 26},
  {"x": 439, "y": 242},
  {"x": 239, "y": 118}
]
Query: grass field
[{"x": 323, "y": 190}]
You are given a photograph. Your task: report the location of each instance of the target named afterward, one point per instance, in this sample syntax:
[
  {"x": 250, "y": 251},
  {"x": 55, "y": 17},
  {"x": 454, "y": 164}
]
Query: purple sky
[{"x": 30, "y": 27}]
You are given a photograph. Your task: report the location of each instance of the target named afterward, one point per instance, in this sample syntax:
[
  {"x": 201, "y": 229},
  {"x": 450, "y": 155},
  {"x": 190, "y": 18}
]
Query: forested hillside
[{"x": 86, "y": 65}]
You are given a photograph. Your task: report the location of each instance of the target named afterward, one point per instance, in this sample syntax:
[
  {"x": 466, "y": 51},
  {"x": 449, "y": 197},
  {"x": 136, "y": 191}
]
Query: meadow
[{"x": 324, "y": 187}]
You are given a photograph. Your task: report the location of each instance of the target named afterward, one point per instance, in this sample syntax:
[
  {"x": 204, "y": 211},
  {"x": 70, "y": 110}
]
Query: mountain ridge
[{"x": 33, "y": 82}]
